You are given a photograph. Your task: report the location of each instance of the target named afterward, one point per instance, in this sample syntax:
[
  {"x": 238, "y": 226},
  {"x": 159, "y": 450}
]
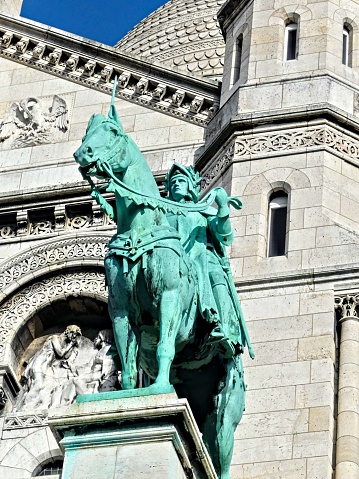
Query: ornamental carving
[
  {"x": 24, "y": 304},
  {"x": 346, "y": 306},
  {"x": 250, "y": 146},
  {"x": 32, "y": 122},
  {"x": 50, "y": 254},
  {"x": 21, "y": 421},
  {"x": 294, "y": 140},
  {"x": 218, "y": 166}
]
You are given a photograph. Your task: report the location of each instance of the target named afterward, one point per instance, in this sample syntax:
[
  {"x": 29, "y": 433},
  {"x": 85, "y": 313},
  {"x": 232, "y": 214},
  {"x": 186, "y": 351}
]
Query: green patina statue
[{"x": 172, "y": 299}]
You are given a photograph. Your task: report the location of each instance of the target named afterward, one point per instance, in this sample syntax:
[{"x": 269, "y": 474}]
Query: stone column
[{"x": 347, "y": 449}]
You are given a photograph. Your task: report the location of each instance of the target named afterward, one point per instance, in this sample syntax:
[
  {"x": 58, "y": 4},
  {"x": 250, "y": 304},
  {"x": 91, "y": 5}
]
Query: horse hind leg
[{"x": 220, "y": 425}]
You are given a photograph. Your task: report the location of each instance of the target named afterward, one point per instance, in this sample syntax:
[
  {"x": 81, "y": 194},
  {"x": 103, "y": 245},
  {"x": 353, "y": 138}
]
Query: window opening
[
  {"x": 346, "y": 46},
  {"x": 237, "y": 59},
  {"x": 52, "y": 469},
  {"x": 278, "y": 206},
  {"x": 290, "y": 41}
]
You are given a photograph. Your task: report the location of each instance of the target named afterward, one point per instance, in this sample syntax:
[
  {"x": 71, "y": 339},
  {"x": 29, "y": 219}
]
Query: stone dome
[{"x": 182, "y": 33}]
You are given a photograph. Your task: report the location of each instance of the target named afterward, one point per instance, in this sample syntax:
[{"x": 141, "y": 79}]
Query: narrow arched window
[
  {"x": 347, "y": 45},
  {"x": 290, "y": 41},
  {"x": 277, "y": 227},
  {"x": 52, "y": 468},
  {"x": 237, "y": 59}
]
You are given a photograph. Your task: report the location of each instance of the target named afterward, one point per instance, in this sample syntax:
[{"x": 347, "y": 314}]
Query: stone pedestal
[{"x": 152, "y": 437}]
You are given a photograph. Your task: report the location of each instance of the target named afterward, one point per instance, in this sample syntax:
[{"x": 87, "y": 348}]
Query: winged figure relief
[
  {"x": 29, "y": 123},
  {"x": 58, "y": 113}
]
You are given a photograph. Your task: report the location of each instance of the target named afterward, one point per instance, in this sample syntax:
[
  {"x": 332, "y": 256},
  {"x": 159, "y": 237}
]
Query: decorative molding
[
  {"x": 48, "y": 256},
  {"x": 48, "y": 220},
  {"x": 296, "y": 140},
  {"x": 346, "y": 306},
  {"x": 140, "y": 81},
  {"x": 218, "y": 166},
  {"x": 31, "y": 299},
  {"x": 282, "y": 142},
  {"x": 23, "y": 421}
]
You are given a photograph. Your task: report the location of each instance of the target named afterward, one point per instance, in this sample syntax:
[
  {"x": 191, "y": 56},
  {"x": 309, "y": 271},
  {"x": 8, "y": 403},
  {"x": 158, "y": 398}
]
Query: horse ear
[{"x": 112, "y": 114}]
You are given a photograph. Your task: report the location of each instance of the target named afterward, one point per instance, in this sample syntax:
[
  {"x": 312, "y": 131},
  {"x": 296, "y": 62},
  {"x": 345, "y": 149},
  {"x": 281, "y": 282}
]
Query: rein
[{"x": 168, "y": 206}]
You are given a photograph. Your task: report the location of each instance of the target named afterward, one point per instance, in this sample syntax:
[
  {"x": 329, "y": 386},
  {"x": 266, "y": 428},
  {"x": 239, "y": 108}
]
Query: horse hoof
[{"x": 160, "y": 389}]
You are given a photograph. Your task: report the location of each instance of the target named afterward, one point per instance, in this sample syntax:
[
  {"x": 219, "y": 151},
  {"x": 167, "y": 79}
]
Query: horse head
[{"x": 104, "y": 141}]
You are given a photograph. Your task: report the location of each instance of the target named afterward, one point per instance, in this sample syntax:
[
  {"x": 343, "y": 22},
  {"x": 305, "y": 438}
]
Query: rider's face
[{"x": 179, "y": 188}]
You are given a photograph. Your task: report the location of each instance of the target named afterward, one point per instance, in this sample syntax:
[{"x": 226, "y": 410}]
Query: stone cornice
[
  {"x": 95, "y": 66},
  {"x": 339, "y": 277},
  {"x": 228, "y": 11}
]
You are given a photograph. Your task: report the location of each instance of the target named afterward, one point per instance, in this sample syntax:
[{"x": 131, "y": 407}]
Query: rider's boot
[{"x": 218, "y": 337}]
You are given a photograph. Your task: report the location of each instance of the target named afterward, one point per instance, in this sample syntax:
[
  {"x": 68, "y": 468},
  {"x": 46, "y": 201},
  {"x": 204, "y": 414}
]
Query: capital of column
[{"x": 347, "y": 307}]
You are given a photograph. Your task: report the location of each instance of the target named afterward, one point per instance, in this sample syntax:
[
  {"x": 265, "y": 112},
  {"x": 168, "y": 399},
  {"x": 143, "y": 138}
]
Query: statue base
[{"x": 147, "y": 436}]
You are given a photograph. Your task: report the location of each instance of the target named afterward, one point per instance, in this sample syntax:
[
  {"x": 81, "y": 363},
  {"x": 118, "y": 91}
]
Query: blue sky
[{"x": 104, "y": 21}]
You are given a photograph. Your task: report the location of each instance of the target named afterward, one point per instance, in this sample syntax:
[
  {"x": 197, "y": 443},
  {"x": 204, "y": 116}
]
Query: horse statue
[{"x": 156, "y": 300}]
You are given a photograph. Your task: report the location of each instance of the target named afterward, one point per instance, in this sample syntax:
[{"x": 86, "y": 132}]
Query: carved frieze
[
  {"x": 149, "y": 90},
  {"x": 281, "y": 143},
  {"x": 297, "y": 139},
  {"x": 34, "y": 121},
  {"x": 51, "y": 219},
  {"x": 45, "y": 256},
  {"x": 22, "y": 420}
]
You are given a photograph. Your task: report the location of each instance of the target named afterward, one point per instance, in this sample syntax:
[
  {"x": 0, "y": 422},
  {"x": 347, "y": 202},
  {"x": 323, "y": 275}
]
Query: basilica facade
[{"x": 262, "y": 98}]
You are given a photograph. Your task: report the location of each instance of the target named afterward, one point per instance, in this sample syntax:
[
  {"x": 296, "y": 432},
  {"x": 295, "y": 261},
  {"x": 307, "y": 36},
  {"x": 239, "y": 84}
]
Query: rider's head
[{"x": 182, "y": 183}]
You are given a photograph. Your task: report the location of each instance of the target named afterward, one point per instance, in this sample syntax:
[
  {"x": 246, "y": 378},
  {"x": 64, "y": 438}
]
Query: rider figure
[{"x": 204, "y": 237}]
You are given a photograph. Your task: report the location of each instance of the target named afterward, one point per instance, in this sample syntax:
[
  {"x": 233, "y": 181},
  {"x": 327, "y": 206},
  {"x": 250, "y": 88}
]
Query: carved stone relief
[
  {"x": 23, "y": 305},
  {"x": 66, "y": 365},
  {"x": 32, "y": 122}
]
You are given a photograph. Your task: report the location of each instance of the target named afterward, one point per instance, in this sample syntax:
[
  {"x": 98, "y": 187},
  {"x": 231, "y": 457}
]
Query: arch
[
  {"x": 289, "y": 13},
  {"x": 55, "y": 254},
  {"x": 35, "y": 449},
  {"x": 277, "y": 178},
  {"x": 22, "y": 306}
]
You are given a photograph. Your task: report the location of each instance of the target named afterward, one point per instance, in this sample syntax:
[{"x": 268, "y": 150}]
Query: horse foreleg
[
  {"x": 123, "y": 311},
  {"x": 169, "y": 324},
  {"x": 127, "y": 345},
  {"x": 221, "y": 424}
]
